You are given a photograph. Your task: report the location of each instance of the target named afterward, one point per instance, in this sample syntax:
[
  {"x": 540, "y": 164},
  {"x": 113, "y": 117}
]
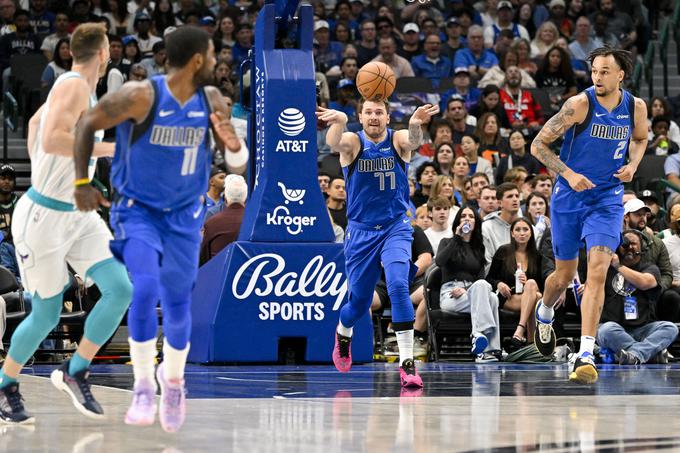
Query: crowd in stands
[{"x": 480, "y": 201}]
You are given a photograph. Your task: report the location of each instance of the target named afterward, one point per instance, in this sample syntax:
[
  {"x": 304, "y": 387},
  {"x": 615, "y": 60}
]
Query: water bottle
[
  {"x": 466, "y": 228},
  {"x": 519, "y": 286},
  {"x": 662, "y": 149},
  {"x": 577, "y": 285},
  {"x": 540, "y": 224}
]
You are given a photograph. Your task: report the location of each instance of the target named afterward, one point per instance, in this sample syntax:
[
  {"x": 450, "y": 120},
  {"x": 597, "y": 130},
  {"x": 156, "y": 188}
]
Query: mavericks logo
[
  {"x": 281, "y": 215},
  {"x": 292, "y": 123}
]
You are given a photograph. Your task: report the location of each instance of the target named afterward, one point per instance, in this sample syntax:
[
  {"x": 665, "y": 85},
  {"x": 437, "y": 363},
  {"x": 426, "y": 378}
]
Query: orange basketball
[{"x": 376, "y": 81}]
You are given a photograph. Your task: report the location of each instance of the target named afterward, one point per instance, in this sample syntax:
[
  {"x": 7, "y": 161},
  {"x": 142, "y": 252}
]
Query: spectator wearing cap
[
  {"x": 156, "y": 64},
  {"x": 327, "y": 53},
  {"x": 558, "y": 16},
  {"x": 215, "y": 187},
  {"x": 367, "y": 46},
  {"x": 208, "y": 24},
  {"x": 462, "y": 87},
  {"x": 145, "y": 39},
  {"x": 131, "y": 51},
  {"x": 23, "y": 41},
  {"x": 454, "y": 38},
  {"x": 347, "y": 99},
  {"x": 244, "y": 42},
  {"x": 8, "y": 199},
  {"x": 505, "y": 16},
  {"x": 661, "y": 144},
  {"x": 222, "y": 228},
  {"x": 654, "y": 221},
  {"x": 388, "y": 54},
  {"x": 584, "y": 42},
  {"x": 475, "y": 57},
  {"x": 411, "y": 45},
  {"x": 431, "y": 64}
]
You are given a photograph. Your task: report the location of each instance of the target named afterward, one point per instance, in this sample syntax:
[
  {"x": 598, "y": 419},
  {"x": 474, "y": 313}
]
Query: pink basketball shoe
[
  {"x": 409, "y": 375},
  {"x": 342, "y": 353},
  {"x": 142, "y": 411},
  {"x": 172, "y": 410}
]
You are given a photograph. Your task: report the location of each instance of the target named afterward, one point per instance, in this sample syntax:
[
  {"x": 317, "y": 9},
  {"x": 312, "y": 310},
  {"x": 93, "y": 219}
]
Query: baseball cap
[
  {"x": 645, "y": 194},
  {"x": 411, "y": 27},
  {"x": 128, "y": 39},
  {"x": 345, "y": 83},
  {"x": 504, "y": 4},
  {"x": 453, "y": 20},
  {"x": 634, "y": 205},
  {"x": 319, "y": 24},
  {"x": 554, "y": 3},
  {"x": 169, "y": 30},
  {"x": 461, "y": 70},
  {"x": 235, "y": 189},
  {"x": 215, "y": 170},
  {"x": 142, "y": 15},
  {"x": 207, "y": 20},
  {"x": 7, "y": 169}
]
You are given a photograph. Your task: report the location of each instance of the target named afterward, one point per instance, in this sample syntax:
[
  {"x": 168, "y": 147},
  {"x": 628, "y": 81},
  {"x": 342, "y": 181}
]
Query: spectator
[
  {"x": 619, "y": 24},
  {"x": 518, "y": 175},
  {"x": 558, "y": 9},
  {"x": 477, "y": 59},
  {"x": 347, "y": 102},
  {"x": 496, "y": 226},
  {"x": 462, "y": 87},
  {"x": 460, "y": 173},
  {"x": 524, "y": 17},
  {"x": 520, "y": 255},
  {"x": 131, "y": 51},
  {"x": 327, "y": 53},
  {"x": 575, "y": 9},
  {"x": 438, "y": 209},
  {"x": 215, "y": 187},
  {"x": 602, "y": 33},
  {"x": 443, "y": 187},
  {"x": 423, "y": 219},
  {"x": 223, "y": 228},
  {"x": 487, "y": 201},
  {"x": 343, "y": 18},
  {"x": 443, "y": 159},
  {"x": 385, "y": 27},
  {"x": 208, "y": 24},
  {"x": 537, "y": 210},
  {"x": 8, "y": 200},
  {"x": 671, "y": 240},
  {"x": 244, "y": 42},
  {"x": 431, "y": 64},
  {"x": 156, "y": 64},
  {"x": 542, "y": 184},
  {"x": 324, "y": 180},
  {"x": 121, "y": 22},
  {"x": 455, "y": 41},
  {"x": 342, "y": 33},
  {"x": 224, "y": 36},
  {"x": 441, "y": 132},
  {"x": 145, "y": 39},
  {"x": 456, "y": 115},
  {"x": 524, "y": 61},
  {"x": 425, "y": 175},
  {"x": 628, "y": 322},
  {"x": 80, "y": 14},
  {"x": 479, "y": 180},
  {"x": 490, "y": 102},
  {"x": 490, "y": 15},
  {"x": 518, "y": 156},
  {"x": 138, "y": 73},
  {"x": 336, "y": 202},
  {"x": 411, "y": 46},
  {"x": 469, "y": 194},
  {"x": 659, "y": 106},
  {"x": 388, "y": 54},
  {"x": 556, "y": 75},
  {"x": 23, "y": 41},
  {"x": 583, "y": 42},
  {"x": 661, "y": 144},
  {"x": 42, "y": 20},
  {"x": 655, "y": 219},
  {"x": 367, "y": 47},
  {"x": 464, "y": 290},
  {"x": 59, "y": 65},
  {"x": 7, "y": 10},
  {"x": 505, "y": 16},
  {"x": 545, "y": 39},
  {"x": 470, "y": 146},
  {"x": 496, "y": 75},
  {"x": 520, "y": 107},
  {"x": 163, "y": 17},
  {"x": 492, "y": 145},
  {"x": 48, "y": 45}
]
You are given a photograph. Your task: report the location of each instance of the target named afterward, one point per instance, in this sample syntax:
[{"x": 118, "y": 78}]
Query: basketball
[{"x": 376, "y": 81}]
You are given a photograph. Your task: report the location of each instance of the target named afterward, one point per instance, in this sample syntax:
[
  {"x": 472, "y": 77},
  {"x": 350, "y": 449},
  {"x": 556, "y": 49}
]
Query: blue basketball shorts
[{"x": 594, "y": 216}]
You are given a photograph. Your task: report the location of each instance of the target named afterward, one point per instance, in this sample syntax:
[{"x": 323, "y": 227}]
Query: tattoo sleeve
[
  {"x": 415, "y": 136},
  {"x": 551, "y": 131}
]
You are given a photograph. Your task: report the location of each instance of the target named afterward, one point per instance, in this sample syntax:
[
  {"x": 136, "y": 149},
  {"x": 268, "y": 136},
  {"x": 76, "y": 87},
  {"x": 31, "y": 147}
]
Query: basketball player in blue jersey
[
  {"x": 601, "y": 126},
  {"x": 160, "y": 172},
  {"x": 375, "y": 164}
]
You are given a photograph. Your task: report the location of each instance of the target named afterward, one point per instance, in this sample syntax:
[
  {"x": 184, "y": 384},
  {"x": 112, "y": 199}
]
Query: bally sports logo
[
  {"x": 292, "y": 123},
  {"x": 281, "y": 216},
  {"x": 266, "y": 275}
]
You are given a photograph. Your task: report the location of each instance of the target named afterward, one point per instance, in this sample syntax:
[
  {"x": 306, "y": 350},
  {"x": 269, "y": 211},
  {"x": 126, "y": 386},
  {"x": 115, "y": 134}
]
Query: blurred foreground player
[
  {"x": 163, "y": 130},
  {"x": 375, "y": 164}
]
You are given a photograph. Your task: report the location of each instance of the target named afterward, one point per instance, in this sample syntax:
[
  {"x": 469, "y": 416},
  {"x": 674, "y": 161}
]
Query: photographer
[{"x": 628, "y": 322}]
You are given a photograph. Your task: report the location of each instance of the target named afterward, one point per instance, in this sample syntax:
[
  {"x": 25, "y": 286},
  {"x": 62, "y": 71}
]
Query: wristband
[{"x": 81, "y": 182}]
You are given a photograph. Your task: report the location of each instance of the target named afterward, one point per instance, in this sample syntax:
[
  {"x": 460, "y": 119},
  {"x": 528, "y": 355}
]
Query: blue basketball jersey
[
  {"x": 376, "y": 183},
  {"x": 597, "y": 147},
  {"x": 164, "y": 162}
]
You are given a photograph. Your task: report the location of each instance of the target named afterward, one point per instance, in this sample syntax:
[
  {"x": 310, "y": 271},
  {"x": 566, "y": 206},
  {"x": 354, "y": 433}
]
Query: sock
[
  {"x": 587, "y": 345},
  {"x": 77, "y": 364},
  {"x": 6, "y": 380},
  {"x": 544, "y": 312},
  {"x": 405, "y": 343},
  {"x": 345, "y": 331},
  {"x": 142, "y": 354},
  {"x": 174, "y": 361}
]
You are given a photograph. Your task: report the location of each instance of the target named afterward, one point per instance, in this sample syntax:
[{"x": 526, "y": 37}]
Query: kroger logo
[
  {"x": 291, "y": 122},
  {"x": 281, "y": 215}
]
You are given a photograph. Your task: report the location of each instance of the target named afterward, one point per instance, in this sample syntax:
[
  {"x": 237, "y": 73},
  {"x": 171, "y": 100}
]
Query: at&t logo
[{"x": 292, "y": 123}]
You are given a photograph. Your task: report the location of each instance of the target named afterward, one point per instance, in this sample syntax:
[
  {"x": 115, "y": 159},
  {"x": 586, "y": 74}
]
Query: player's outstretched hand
[
  {"x": 88, "y": 198},
  {"x": 579, "y": 183},
  {"x": 225, "y": 130},
  {"x": 625, "y": 173},
  {"x": 330, "y": 116},
  {"x": 423, "y": 114}
]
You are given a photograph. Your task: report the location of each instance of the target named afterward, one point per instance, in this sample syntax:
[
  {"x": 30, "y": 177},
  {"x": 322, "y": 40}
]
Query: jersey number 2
[
  {"x": 189, "y": 162},
  {"x": 390, "y": 175},
  {"x": 618, "y": 154}
]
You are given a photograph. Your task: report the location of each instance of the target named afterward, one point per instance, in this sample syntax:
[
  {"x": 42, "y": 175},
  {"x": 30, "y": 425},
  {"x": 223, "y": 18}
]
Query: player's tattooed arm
[
  {"x": 410, "y": 140},
  {"x": 554, "y": 128}
]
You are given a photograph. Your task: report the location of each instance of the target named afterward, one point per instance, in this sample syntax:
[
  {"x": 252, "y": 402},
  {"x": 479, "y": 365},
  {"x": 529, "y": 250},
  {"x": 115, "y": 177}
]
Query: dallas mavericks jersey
[
  {"x": 164, "y": 162},
  {"x": 52, "y": 175},
  {"x": 597, "y": 147},
  {"x": 376, "y": 183}
]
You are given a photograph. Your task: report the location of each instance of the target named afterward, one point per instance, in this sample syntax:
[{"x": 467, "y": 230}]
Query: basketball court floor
[{"x": 464, "y": 408}]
